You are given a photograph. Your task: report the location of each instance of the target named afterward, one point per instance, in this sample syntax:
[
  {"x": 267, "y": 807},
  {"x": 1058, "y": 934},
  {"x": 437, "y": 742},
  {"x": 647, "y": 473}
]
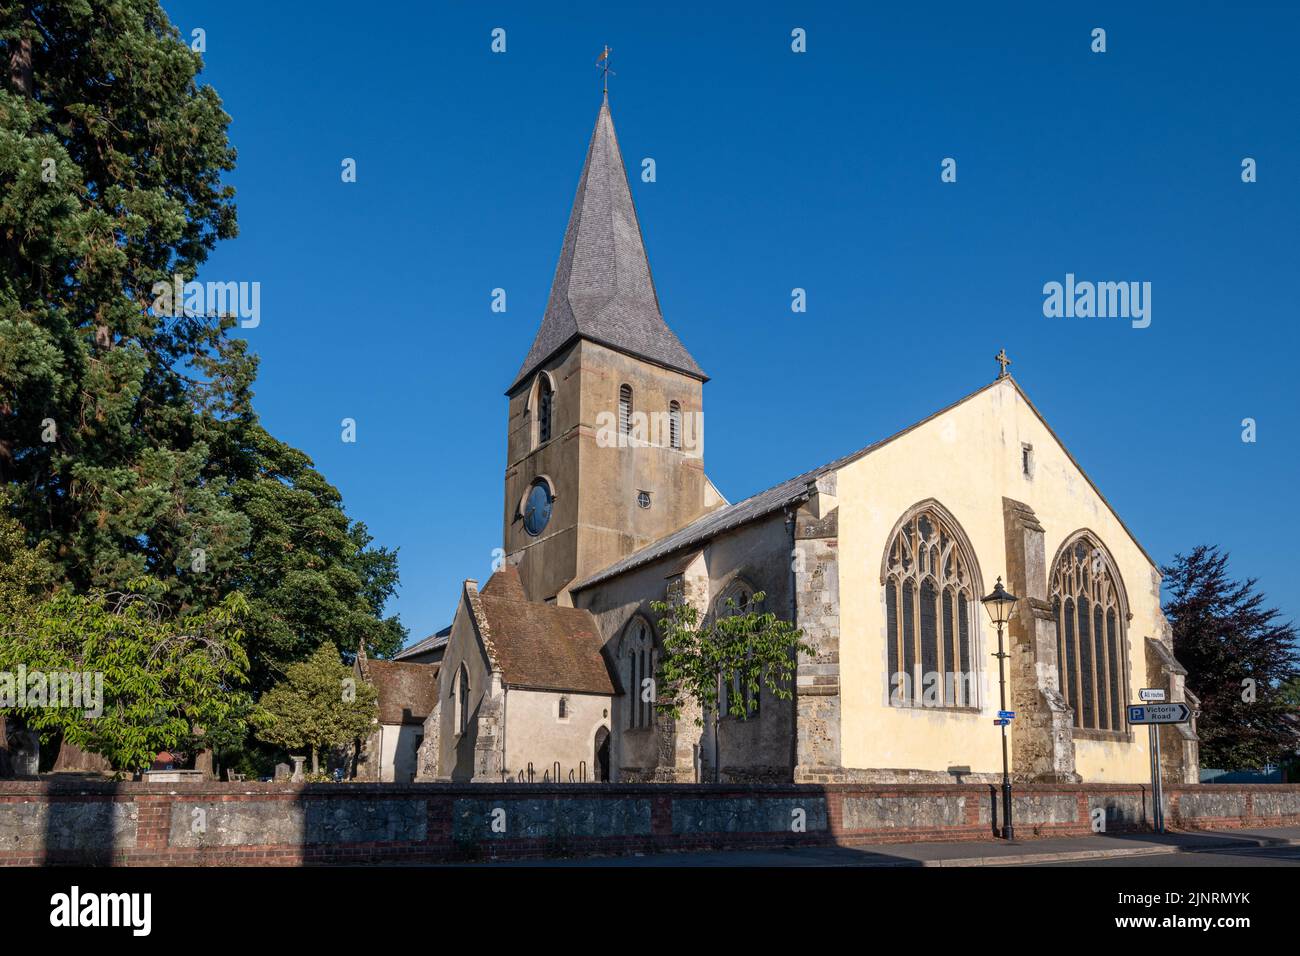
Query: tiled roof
[
  {"x": 407, "y": 692},
  {"x": 505, "y": 583},
  {"x": 543, "y": 646},
  {"x": 603, "y": 290}
]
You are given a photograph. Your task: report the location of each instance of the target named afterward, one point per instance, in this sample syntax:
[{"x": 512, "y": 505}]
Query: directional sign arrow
[{"x": 1176, "y": 713}]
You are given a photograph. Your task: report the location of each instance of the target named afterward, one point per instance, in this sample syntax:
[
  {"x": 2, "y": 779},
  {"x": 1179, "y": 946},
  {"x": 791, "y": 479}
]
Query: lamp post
[{"x": 999, "y": 604}]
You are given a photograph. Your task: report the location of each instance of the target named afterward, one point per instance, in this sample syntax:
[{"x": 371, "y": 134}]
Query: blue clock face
[{"x": 537, "y": 509}]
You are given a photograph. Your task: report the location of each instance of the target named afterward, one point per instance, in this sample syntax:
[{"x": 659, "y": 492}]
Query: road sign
[
  {"x": 1007, "y": 714},
  {"x": 1001, "y": 722},
  {"x": 1151, "y": 715},
  {"x": 1159, "y": 713}
]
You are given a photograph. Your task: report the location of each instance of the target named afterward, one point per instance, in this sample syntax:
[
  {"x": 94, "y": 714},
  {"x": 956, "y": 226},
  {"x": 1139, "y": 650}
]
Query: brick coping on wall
[
  {"x": 134, "y": 823},
  {"x": 52, "y": 784}
]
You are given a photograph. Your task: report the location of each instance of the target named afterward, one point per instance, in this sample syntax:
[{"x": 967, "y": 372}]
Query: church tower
[{"x": 605, "y": 447}]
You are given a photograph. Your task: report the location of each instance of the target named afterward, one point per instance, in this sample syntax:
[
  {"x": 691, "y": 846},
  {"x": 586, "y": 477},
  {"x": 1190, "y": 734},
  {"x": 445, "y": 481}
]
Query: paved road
[
  {"x": 848, "y": 857},
  {"x": 1266, "y": 847},
  {"x": 1246, "y": 856}
]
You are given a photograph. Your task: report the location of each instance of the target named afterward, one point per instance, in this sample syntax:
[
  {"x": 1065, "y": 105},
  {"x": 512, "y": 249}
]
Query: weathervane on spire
[
  {"x": 603, "y": 62},
  {"x": 1001, "y": 359}
]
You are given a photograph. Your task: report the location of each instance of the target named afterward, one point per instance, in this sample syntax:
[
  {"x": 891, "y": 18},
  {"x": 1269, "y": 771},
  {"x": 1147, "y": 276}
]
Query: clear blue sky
[{"x": 777, "y": 170}]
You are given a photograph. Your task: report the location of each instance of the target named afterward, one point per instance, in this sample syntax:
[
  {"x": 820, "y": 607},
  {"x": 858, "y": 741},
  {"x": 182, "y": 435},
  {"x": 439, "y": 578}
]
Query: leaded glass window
[
  {"x": 1086, "y": 599},
  {"x": 930, "y": 588}
]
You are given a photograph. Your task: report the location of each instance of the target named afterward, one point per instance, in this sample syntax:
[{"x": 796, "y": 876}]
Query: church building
[{"x": 880, "y": 558}]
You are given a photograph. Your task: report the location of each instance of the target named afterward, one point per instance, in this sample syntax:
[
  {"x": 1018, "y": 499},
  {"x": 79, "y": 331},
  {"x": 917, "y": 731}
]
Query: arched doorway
[{"x": 600, "y": 766}]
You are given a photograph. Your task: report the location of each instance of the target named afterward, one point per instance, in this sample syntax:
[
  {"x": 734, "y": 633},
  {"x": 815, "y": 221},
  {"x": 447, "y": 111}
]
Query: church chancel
[{"x": 879, "y": 557}]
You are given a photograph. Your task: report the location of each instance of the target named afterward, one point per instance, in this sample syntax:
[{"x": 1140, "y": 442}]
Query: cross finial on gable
[{"x": 1001, "y": 359}]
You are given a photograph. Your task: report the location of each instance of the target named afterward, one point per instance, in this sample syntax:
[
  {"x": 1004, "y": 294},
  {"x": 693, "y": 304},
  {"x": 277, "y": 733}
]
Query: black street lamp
[{"x": 999, "y": 605}]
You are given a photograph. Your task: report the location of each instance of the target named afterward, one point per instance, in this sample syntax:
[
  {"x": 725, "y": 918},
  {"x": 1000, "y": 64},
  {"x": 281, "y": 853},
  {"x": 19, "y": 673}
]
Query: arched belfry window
[
  {"x": 675, "y": 425},
  {"x": 931, "y": 585},
  {"x": 625, "y": 409},
  {"x": 1091, "y": 616},
  {"x": 545, "y": 408},
  {"x": 637, "y": 666}
]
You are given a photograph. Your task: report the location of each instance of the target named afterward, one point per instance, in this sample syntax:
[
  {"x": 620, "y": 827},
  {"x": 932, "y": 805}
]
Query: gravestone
[{"x": 281, "y": 772}]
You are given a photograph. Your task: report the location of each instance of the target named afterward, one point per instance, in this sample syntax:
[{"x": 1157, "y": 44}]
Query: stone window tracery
[
  {"x": 931, "y": 585},
  {"x": 1087, "y": 599},
  {"x": 638, "y": 664}
]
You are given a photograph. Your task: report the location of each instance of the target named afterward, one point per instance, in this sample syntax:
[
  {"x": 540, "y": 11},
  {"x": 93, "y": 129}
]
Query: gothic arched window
[
  {"x": 637, "y": 664},
  {"x": 545, "y": 407},
  {"x": 931, "y": 586},
  {"x": 625, "y": 409},
  {"x": 675, "y": 425},
  {"x": 460, "y": 694},
  {"x": 736, "y": 599},
  {"x": 1088, "y": 601}
]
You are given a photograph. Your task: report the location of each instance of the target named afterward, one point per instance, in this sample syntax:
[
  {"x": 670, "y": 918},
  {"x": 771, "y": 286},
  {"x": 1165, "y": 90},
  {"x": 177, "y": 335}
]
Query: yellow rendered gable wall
[{"x": 968, "y": 459}]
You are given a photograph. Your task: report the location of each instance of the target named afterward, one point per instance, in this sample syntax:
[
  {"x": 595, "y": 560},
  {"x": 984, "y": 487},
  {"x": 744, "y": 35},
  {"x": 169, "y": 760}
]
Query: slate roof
[
  {"x": 430, "y": 643},
  {"x": 795, "y": 489},
  {"x": 406, "y": 691},
  {"x": 542, "y": 646},
  {"x": 716, "y": 522},
  {"x": 603, "y": 290}
]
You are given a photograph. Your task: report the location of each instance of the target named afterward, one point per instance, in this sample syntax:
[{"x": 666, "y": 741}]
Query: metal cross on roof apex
[
  {"x": 603, "y": 62},
  {"x": 1001, "y": 359}
]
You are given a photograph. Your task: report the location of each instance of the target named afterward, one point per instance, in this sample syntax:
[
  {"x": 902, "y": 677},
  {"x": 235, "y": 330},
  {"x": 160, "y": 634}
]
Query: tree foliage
[
  {"x": 742, "y": 647},
  {"x": 167, "y": 683},
  {"x": 320, "y": 705},
  {"x": 1239, "y": 657},
  {"x": 27, "y": 575},
  {"x": 128, "y": 438}
]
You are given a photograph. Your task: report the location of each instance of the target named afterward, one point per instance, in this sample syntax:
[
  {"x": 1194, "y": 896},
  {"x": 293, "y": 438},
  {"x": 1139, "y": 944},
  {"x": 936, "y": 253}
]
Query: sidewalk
[{"x": 969, "y": 853}]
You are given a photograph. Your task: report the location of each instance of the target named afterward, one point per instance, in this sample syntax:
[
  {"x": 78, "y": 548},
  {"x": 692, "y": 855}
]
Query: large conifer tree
[
  {"x": 1239, "y": 657},
  {"x": 129, "y": 439}
]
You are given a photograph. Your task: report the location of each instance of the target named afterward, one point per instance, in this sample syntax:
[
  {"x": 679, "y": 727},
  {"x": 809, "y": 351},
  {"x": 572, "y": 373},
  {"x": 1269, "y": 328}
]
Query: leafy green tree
[
  {"x": 27, "y": 577},
  {"x": 1239, "y": 657},
  {"x": 320, "y": 705},
  {"x": 311, "y": 573},
  {"x": 127, "y": 433},
  {"x": 742, "y": 648},
  {"x": 152, "y": 681}
]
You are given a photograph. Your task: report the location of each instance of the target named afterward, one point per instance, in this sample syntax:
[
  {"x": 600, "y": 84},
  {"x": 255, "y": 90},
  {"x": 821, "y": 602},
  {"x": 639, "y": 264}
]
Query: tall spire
[{"x": 602, "y": 289}]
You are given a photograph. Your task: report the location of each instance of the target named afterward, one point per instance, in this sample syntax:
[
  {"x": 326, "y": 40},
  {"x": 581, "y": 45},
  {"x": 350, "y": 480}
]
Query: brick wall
[{"x": 55, "y": 822}]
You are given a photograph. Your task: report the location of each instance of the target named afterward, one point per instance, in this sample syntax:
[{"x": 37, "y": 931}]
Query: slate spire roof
[{"x": 602, "y": 290}]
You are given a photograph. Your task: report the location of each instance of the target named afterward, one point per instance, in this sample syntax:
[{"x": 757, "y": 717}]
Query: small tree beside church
[
  {"x": 321, "y": 704},
  {"x": 741, "y": 648}
]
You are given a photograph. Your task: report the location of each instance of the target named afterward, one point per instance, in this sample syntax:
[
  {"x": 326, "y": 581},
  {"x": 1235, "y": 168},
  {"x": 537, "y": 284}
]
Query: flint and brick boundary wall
[{"x": 221, "y": 824}]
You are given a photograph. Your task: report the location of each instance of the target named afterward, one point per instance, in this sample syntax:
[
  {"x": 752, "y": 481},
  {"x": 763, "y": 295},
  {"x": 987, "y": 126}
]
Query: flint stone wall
[
  {"x": 253, "y": 822},
  {"x": 51, "y": 821},
  {"x": 551, "y": 817}
]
